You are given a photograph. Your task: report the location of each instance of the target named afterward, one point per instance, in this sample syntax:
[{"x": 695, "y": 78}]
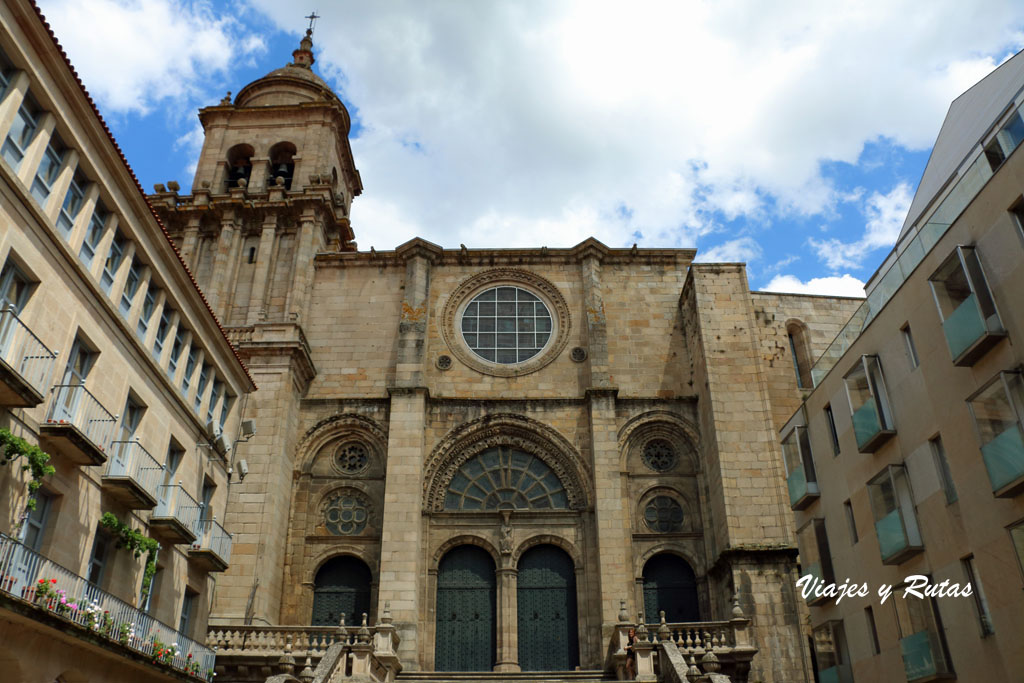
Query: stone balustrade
[
  {"x": 683, "y": 652},
  {"x": 260, "y": 653}
]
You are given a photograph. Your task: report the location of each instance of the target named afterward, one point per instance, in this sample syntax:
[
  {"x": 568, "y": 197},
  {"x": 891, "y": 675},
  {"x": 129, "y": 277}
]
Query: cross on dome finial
[{"x": 312, "y": 21}]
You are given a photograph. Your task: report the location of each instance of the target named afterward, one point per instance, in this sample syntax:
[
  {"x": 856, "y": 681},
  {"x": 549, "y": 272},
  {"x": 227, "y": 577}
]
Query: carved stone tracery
[{"x": 512, "y": 430}]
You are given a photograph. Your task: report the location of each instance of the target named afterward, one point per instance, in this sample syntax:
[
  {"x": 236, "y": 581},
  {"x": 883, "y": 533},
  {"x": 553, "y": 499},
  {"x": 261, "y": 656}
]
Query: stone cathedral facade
[{"x": 503, "y": 448}]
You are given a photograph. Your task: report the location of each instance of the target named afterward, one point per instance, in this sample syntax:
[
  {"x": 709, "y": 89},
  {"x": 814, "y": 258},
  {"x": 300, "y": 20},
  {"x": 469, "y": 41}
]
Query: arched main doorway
[
  {"x": 341, "y": 585},
  {"x": 466, "y": 590},
  {"x": 670, "y": 586},
  {"x": 547, "y": 620}
]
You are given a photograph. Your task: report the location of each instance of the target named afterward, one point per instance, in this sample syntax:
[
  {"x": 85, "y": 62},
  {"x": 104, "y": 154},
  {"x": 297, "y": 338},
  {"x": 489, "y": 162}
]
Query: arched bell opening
[
  {"x": 240, "y": 165},
  {"x": 342, "y": 586},
  {"x": 282, "y": 163}
]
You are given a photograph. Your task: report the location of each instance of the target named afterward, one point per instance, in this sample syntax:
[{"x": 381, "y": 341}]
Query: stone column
[
  {"x": 508, "y": 618},
  {"x": 190, "y": 242},
  {"x": 219, "y": 276},
  {"x": 302, "y": 268}
]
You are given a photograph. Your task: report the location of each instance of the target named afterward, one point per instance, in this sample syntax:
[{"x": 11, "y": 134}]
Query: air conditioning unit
[
  {"x": 222, "y": 443},
  {"x": 248, "y": 429}
]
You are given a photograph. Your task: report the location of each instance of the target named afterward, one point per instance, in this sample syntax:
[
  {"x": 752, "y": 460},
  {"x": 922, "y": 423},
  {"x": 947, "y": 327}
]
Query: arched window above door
[{"x": 505, "y": 478}]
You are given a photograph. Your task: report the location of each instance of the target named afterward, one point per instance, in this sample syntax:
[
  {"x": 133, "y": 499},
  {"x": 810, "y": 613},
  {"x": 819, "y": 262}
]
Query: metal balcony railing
[
  {"x": 71, "y": 405},
  {"x": 132, "y": 469},
  {"x": 178, "y": 510},
  {"x": 23, "y": 353},
  {"x": 23, "y": 571},
  {"x": 212, "y": 539}
]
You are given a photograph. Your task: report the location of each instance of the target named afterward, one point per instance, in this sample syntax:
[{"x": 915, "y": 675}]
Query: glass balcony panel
[
  {"x": 964, "y": 327},
  {"x": 892, "y": 538},
  {"x": 866, "y": 425},
  {"x": 922, "y": 656},
  {"x": 829, "y": 675},
  {"x": 1004, "y": 458}
]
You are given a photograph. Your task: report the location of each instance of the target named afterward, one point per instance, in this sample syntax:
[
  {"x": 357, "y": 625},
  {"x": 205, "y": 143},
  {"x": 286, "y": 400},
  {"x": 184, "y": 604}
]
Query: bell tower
[{"x": 273, "y": 188}]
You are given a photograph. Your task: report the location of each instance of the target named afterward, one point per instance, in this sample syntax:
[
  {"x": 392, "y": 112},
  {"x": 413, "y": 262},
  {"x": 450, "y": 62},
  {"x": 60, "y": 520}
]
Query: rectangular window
[
  {"x": 1017, "y": 540},
  {"x": 869, "y": 404},
  {"x": 175, "y": 454},
  {"x": 131, "y": 286},
  {"x": 942, "y": 467},
  {"x": 796, "y": 362},
  {"x": 998, "y": 412},
  {"x": 131, "y": 417},
  {"x": 187, "y": 608},
  {"x": 35, "y": 524},
  {"x": 1005, "y": 141},
  {"x": 73, "y": 201},
  {"x": 218, "y": 388},
  {"x": 204, "y": 377},
  {"x": 1017, "y": 211},
  {"x": 892, "y": 504},
  {"x": 908, "y": 340},
  {"x": 869, "y": 616},
  {"x": 23, "y": 129},
  {"x": 815, "y": 557},
  {"x": 851, "y": 522},
  {"x": 98, "y": 559},
  {"x": 190, "y": 368},
  {"x": 163, "y": 326},
  {"x": 831, "y": 420},
  {"x": 980, "y": 603},
  {"x": 801, "y": 479},
  {"x": 49, "y": 169},
  {"x": 93, "y": 235},
  {"x": 229, "y": 401},
  {"x": 922, "y": 641},
  {"x": 966, "y": 308},
  {"x": 15, "y": 289},
  {"x": 830, "y": 652},
  {"x": 148, "y": 305},
  {"x": 176, "y": 348},
  {"x": 113, "y": 262}
]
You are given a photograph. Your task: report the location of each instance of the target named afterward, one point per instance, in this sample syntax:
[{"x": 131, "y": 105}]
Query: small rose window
[
  {"x": 659, "y": 455},
  {"x": 664, "y": 515},
  {"x": 351, "y": 457},
  {"x": 346, "y": 514}
]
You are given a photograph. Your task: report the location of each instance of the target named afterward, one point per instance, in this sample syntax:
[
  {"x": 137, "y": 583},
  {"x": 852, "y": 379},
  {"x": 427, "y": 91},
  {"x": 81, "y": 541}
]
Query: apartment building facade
[
  {"x": 113, "y": 364},
  {"x": 906, "y": 459}
]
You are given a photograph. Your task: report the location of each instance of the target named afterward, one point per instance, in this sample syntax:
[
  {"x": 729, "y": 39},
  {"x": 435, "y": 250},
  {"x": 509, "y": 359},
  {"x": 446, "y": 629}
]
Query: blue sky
[{"x": 789, "y": 135}]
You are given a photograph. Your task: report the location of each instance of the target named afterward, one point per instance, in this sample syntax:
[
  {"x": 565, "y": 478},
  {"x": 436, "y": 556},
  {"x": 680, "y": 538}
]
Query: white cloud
[
  {"x": 538, "y": 115},
  {"x": 885, "y": 214},
  {"x": 845, "y": 285},
  {"x": 741, "y": 250},
  {"x": 134, "y": 54}
]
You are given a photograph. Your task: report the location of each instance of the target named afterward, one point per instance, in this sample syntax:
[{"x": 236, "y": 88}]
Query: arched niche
[
  {"x": 800, "y": 351},
  {"x": 282, "y": 163},
  {"x": 342, "y": 586},
  {"x": 240, "y": 165}
]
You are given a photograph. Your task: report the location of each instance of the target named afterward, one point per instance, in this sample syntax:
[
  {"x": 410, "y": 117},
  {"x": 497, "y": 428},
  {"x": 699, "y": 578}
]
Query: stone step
[{"x": 590, "y": 676}]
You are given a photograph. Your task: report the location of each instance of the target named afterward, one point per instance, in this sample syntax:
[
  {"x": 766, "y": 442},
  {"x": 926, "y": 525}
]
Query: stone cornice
[{"x": 591, "y": 248}]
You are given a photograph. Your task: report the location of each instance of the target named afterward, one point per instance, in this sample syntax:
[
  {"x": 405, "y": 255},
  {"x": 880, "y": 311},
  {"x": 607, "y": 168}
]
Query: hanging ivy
[
  {"x": 137, "y": 543},
  {"x": 37, "y": 464}
]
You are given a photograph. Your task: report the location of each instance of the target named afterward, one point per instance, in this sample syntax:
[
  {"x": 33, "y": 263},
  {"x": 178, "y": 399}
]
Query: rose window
[
  {"x": 659, "y": 455},
  {"x": 506, "y": 325},
  {"x": 664, "y": 515},
  {"x": 346, "y": 515},
  {"x": 351, "y": 458}
]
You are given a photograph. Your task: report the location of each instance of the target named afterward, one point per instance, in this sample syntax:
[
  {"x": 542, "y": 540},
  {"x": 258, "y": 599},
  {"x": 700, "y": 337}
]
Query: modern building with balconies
[
  {"x": 907, "y": 456},
  {"x": 115, "y": 372}
]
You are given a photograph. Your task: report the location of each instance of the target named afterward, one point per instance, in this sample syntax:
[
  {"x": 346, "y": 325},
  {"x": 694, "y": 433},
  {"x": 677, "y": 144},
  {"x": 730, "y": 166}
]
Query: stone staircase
[{"x": 593, "y": 676}]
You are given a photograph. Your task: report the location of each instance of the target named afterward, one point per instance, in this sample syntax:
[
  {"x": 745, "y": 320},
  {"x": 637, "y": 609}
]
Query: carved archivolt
[
  {"x": 464, "y": 293},
  {"x": 662, "y": 425},
  {"x": 512, "y": 430},
  {"x": 335, "y": 430}
]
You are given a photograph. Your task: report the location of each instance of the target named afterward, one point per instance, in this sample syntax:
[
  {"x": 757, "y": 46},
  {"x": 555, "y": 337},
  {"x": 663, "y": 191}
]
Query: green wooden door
[
  {"x": 546, "y": 600},
  {"x": 465, "y": 611},
  {"x": 341, "y": 586},
  {"x": 670, "y": 585}
]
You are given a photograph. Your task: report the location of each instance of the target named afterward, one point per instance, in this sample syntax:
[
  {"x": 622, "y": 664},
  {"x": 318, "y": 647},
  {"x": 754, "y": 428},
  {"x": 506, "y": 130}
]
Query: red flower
[
  {"x": 42, "y": 580},
  {"x": 53, "y": 580}
]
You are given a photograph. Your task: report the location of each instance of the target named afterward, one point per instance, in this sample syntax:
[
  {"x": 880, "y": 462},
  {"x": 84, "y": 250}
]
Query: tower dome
[{"x": 294, "y": 83}]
